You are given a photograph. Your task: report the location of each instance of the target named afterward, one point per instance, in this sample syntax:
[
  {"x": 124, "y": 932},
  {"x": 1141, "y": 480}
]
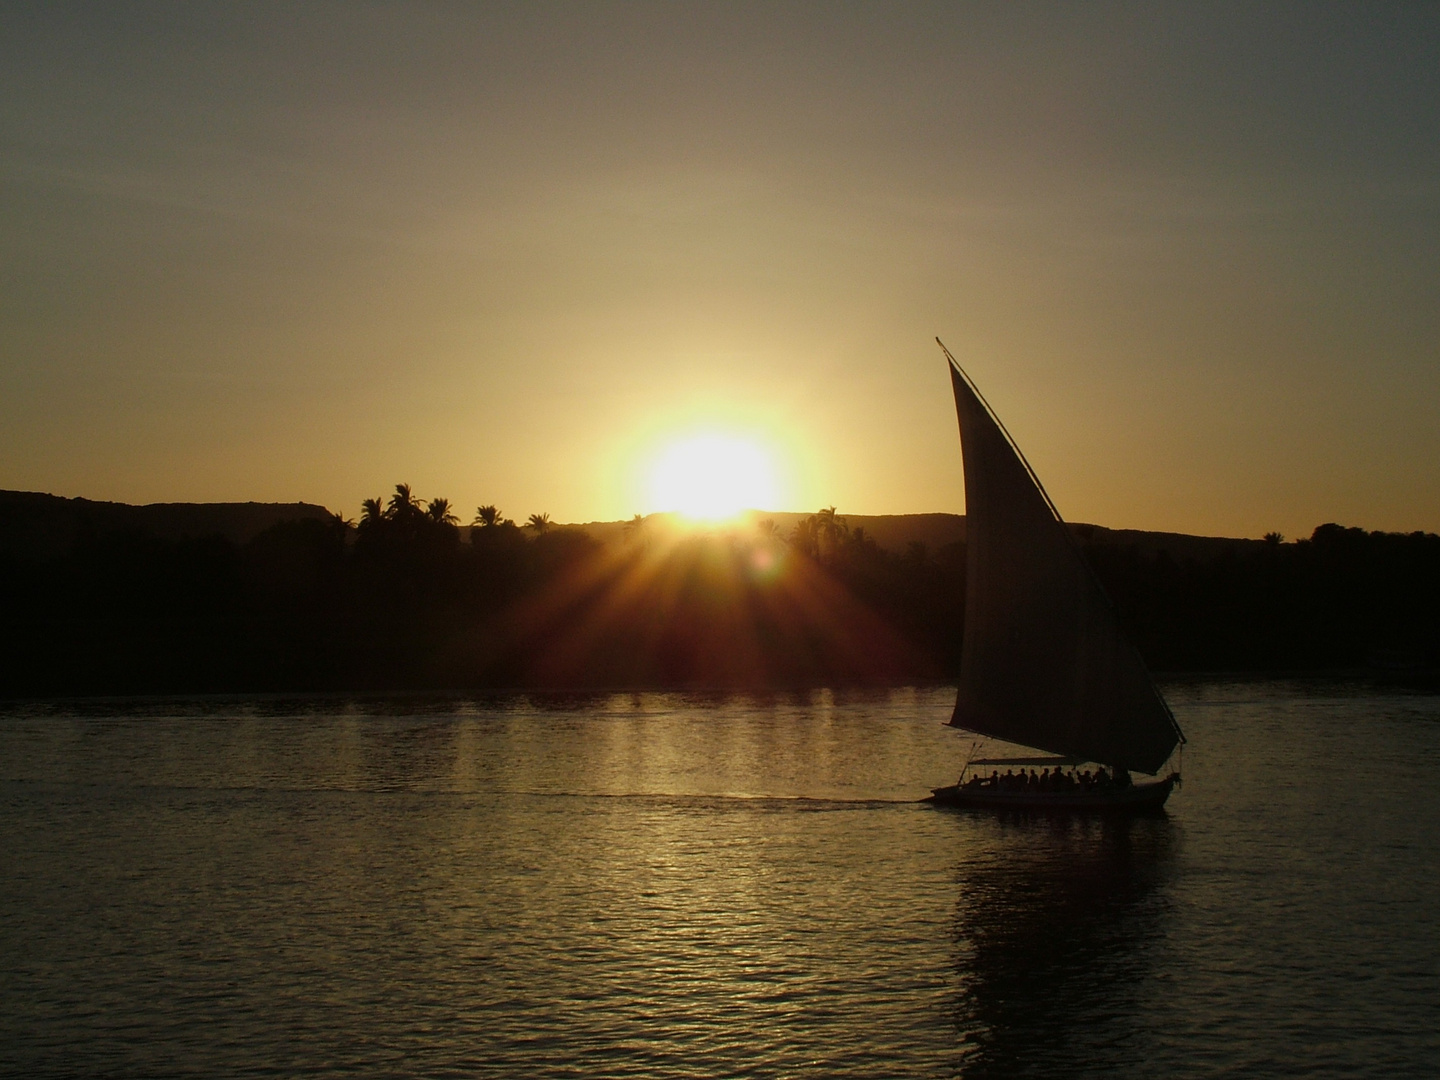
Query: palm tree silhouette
[
  {"x": 403, "y": 503},
  {"x": 538, "y": 522},
  {"x": 802, "y": 536},
  {"x": 488, "y": 517},
  {"x": 372, "y": 511},
  {"x": 634, "y": 526},
  {"x": 439, "y": 512},
  {"x": 829, "y": 527}
]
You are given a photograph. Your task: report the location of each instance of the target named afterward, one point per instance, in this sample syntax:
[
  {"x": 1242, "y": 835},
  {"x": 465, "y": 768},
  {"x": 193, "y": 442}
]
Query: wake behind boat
[{"x": 1043, "y": 663}]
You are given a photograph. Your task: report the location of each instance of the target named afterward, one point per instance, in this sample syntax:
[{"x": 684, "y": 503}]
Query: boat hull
[{"x": 1136, "y": 799}]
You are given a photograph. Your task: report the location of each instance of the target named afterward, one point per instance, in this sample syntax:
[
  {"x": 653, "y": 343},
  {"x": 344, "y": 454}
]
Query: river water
[{"x": 664, "y": 885}]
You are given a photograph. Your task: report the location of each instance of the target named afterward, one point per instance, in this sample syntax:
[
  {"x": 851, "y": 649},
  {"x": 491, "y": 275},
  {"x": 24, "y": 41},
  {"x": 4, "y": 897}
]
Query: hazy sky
[{"x": 1191, "y": 254}]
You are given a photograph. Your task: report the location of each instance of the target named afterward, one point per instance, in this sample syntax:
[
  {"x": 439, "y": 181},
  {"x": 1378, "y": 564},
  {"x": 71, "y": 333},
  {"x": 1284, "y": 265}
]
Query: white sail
[{"x": 1043, "y": 663}]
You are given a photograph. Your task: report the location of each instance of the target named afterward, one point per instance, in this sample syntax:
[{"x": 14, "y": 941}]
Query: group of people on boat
[{"x": 1056, "y": 781}]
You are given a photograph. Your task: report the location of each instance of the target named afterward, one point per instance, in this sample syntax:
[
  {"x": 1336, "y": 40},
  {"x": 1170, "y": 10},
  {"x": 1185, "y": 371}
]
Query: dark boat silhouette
[{"x": 1044, "y": 663}]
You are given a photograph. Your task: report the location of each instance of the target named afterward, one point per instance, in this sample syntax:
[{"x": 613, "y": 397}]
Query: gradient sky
[{"x": 1190, "y": 253}]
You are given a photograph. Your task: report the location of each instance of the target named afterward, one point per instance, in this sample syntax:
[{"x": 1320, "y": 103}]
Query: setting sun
[{"x": 711, "y": 477}]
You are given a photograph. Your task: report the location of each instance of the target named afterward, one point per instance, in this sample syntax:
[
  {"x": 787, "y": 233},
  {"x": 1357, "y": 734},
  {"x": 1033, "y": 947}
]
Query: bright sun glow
[{"x": 712, "y": 477}]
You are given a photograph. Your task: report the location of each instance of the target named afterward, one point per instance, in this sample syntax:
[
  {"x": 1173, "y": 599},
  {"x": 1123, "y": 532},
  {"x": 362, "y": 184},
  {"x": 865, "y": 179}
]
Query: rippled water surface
[{"x": 662, "y": 885}]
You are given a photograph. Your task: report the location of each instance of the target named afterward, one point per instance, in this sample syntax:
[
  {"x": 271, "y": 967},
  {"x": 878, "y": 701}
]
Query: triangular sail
[{"x": 1043, "y": 662}]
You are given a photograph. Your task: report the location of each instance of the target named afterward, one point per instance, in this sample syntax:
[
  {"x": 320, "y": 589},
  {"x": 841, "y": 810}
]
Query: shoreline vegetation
[{"x": 108, "y": 599}]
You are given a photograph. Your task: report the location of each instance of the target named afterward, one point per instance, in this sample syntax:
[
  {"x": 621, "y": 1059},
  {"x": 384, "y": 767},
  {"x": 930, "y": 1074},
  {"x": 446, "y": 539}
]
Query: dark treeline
[
  {"x": 1343, "y": 599},
  {"x": 399, "y": 600}
]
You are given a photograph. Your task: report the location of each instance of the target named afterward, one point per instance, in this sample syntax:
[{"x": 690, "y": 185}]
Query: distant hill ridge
[
  {"x": 37, "y": 524},
  {"x": 896, "y": 532}
]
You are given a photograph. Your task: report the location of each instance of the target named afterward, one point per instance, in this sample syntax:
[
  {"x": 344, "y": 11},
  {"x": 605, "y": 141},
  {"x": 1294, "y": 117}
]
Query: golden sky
[{"x": 507, "y": 254}]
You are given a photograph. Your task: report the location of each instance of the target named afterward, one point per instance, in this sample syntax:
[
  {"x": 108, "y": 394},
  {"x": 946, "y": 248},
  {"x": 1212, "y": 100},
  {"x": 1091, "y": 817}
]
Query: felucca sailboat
[{"x": 1044, "y": 663}]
